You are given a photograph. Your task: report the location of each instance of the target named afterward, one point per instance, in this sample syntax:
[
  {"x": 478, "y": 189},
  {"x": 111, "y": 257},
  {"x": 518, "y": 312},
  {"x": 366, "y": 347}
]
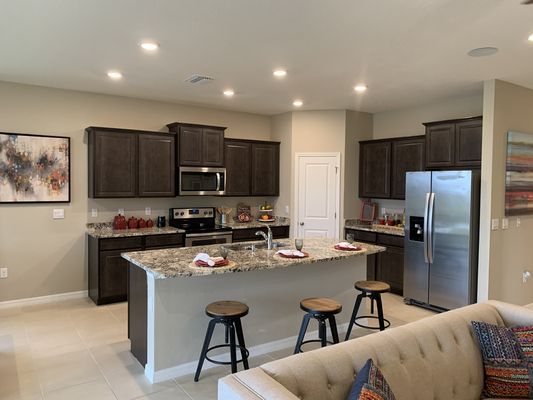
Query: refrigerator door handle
[
  {"x": 425, "y": 233},
  {"x": 431, "y": 211}
]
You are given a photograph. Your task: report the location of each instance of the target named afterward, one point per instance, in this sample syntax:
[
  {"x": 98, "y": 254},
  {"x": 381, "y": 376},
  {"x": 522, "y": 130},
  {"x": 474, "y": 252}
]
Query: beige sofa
[{"x": 434, "y": 358}]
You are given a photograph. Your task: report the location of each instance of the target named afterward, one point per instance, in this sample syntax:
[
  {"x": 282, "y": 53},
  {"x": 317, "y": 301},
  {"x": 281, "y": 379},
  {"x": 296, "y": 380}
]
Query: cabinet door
[
  {"x": 407, "y": 156},
  {"x": 468, "y": 136},
  {"x": 190, "y": 145},
  {"x": 113, "y": 276},
  {"x": 265, "y": 169},
  {"x": 213, "y": 147},
  {"x": 389, "y": 268},
  {"x": 374, "y": 170},
  {"x": 157, "y": 165},
  {"x": 238, "y": 158},
  {"x": 113, "y": 164},
  {"x": 440, "y": 145}
]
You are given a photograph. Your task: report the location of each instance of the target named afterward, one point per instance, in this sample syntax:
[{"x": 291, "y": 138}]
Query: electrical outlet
[
  {"x": 94, "y": 212},
  {"x": 505, "y": 223},
  {"x": 518, "y": 222},
  {"x": 3, "y": 273},
  {"x": 495, "y": 224},
  {"x": 148, "y": 211},
  {"x": 121, "y": 211},
  {"x": 287, "y": 210},
  {"x": 58, "y": 213},
  {"x": 525, "y": 276}
]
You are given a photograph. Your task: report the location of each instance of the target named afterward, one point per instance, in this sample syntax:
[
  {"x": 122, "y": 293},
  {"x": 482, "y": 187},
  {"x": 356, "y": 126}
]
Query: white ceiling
[{"x": 409, "y": 52}]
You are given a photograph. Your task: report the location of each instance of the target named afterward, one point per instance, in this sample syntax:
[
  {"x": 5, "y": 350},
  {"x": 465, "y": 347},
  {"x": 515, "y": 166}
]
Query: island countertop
[{"x": 172, "y": 263}]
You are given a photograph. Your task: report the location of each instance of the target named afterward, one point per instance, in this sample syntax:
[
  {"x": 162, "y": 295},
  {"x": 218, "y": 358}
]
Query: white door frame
[{"x": 296, "y": 203}]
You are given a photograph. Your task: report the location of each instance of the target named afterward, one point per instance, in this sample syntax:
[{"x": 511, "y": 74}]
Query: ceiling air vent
[{"x": 195, "y": 79}]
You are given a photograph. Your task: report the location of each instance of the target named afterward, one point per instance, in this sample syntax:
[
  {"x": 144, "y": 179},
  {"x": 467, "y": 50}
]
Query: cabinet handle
[{"x": 301, "y": 224}]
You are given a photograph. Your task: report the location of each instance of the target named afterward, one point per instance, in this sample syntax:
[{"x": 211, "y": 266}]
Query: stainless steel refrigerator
[{"x": 441, "y": 238}]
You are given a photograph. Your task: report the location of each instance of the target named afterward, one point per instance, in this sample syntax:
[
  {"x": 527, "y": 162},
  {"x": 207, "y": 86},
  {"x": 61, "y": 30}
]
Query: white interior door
[{"x": 318, "y": 195}]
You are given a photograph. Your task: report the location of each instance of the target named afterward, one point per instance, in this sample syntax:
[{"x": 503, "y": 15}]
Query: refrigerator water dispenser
[{"x": 416, "y": 229}]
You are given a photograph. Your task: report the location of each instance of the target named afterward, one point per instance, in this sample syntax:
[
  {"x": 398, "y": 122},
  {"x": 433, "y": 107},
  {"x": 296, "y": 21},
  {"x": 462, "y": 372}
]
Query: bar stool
[
  {"x": 372, "y": 290},
  {"x": 321, "y": 309},
  {"x": 228, "y": 313}
]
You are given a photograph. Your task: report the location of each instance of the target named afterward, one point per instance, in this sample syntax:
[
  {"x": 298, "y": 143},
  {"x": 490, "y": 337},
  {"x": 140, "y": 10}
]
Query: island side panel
[
  {"x": 137, "y": 312},
  {"x": 179, "y": 320}
]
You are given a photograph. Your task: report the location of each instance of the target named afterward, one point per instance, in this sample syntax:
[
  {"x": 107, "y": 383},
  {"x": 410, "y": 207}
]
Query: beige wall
[
  {"x": 282, "y": 132},
  {"x": 504, "y": 254},
  {"x": 46, "y": 256},
  {"x": 408, "y": 121}
]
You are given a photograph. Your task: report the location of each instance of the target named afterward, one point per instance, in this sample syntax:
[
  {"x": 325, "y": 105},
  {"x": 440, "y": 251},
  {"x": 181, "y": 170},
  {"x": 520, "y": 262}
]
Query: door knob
[{"x": 301, "y": 224}]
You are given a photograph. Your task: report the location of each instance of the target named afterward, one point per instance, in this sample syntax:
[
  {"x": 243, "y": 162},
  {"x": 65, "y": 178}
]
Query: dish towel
[
  {"x": 211, "y": 261},
  {"x": 291, "y": 253}
]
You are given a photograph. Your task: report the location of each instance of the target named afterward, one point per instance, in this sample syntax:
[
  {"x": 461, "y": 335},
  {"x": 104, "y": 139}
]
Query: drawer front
[
  {"x": 362, "y": 236},
  {"x": 240, "y": 235},
  {"x": 168, "y": 240},
  {"x": 121, "y": 243},
  {"x": 280, "y": 232},
  {"x": 390, "y": 240}
]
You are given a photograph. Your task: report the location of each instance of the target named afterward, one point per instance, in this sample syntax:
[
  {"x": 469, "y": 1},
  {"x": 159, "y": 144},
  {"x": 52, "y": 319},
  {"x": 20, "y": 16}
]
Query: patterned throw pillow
[
  {"x": 506, "y": 367},
  {"x": 370, "y": 384}
]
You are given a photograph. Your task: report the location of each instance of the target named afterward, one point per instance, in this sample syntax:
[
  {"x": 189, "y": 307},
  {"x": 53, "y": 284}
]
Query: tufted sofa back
[{"x": 434, "y": 358}]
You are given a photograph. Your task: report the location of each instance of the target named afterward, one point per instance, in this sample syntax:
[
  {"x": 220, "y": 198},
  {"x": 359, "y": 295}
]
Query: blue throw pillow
[{"x": 370, "y": 384}]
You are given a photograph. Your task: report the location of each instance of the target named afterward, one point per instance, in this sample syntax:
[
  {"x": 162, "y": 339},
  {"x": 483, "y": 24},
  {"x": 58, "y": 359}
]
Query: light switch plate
[
  {"x": 58, "y": 213},
  {"x": 94, "y": 212},
  {"x": 148, "y": 211},
  {"x": 505, "y": 223},
  {"x": 3, "y": 273},
  {"x": 518, "y": 222},
  {"x": 495, "y": 224}
]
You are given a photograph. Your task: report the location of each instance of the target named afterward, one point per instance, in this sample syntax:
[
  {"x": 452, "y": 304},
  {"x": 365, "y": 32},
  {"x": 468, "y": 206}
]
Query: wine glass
[
  {"x": 223, "y": 252},
  {"x": 299, "y": 244},
  {"x": 350, "y": 238}
]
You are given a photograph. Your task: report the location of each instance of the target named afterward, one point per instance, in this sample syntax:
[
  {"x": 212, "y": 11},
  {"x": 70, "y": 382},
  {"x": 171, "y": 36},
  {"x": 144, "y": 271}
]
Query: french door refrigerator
[{"x": 441, "y": 238}]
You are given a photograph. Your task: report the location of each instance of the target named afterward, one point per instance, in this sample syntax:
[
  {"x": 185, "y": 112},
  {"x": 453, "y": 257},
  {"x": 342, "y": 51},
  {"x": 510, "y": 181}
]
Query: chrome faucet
[{"x": 267, "y": 237}]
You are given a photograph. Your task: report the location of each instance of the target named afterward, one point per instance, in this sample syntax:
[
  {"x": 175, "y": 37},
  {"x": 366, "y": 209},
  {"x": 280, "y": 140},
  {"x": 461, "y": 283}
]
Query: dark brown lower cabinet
[
  {"x": 245, "y": 235},
  {"x": 108, "y": 271},
  {"x": 137, "y": 312},
  {"x": 386, "y": 266}
]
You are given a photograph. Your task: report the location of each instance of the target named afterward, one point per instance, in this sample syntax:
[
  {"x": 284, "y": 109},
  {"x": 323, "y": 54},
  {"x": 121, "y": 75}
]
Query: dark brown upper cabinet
[
  {"x": 238, "y": 156},
  {"x": 383, "y": 164},
  {"x": 454, "y": 143},
  {"x": 407, "y": 156},
  {"x": 265, "y": 169},
  {"x": 252, "y": 167},
  {"x": 199, "y": 145},
  {"x": 374, "y": 169},
  {"x": 130, "y": 163}
]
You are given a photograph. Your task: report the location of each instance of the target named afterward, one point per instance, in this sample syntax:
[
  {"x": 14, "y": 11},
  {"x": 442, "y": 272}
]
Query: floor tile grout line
[{"x": 102, "y": 372}]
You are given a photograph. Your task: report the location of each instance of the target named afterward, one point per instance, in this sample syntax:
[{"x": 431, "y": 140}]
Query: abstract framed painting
[
  {"x": 34, "y": 168},
  {"x": 519, "y": 174}
]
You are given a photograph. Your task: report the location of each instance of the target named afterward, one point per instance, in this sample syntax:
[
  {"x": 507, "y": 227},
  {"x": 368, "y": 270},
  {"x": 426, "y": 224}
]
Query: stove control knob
[
  {"x": 205, "y": 212},
  {"x": 181, "y": 213}
]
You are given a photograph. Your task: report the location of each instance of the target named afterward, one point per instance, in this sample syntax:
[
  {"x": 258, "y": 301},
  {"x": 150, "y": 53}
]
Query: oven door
[
  {"x": 205, "y": 239},
  {"x": 202, "y": 181}
]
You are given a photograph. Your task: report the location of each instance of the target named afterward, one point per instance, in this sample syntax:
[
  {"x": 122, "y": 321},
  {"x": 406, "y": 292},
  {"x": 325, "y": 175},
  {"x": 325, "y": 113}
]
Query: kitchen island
[{"x": 168, "y": 295}]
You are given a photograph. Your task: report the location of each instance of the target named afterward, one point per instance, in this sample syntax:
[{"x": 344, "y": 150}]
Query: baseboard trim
[
  {"x": 265, "y": 348},
  {"x": 52, "y": 298}
]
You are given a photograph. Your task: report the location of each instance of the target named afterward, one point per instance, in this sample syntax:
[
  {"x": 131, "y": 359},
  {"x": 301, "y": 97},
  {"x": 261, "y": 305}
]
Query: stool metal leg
[
  {"x": 322, "y": 332},
  {"x": 226, "y": 334},
  {"x": 232, "y": 348},
  {"x": 333, "y": 326},
  {"x": 354, "y": 314},
  {"x": 372, "y": 305},
  {"x": 207, "y": 340},
  {"x": 240, "y": 337},
  {"x": 301, "y": 335},
  {"x": 381, "y": 318}
]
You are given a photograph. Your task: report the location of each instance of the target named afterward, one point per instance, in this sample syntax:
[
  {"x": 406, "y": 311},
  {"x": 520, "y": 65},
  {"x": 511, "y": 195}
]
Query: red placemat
[
  {"x": 337, "y": 247},
  {"x": 221, "y": 263},
  {"x": 292, "y": 256}
]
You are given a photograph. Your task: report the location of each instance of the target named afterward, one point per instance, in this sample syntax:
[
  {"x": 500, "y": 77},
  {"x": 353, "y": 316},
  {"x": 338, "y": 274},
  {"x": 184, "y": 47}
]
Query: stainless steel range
[{"x": 199, "y": 226}]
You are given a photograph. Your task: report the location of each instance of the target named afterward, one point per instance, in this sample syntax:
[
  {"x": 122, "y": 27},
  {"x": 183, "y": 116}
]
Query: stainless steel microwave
[{"x": 202, "y": 181}]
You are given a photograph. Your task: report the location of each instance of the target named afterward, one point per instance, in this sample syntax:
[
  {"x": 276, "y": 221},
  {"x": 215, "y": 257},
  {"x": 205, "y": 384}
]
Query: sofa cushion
[
  {"x": 370, "y": 384},
  {"x": 506, "y": 369}
]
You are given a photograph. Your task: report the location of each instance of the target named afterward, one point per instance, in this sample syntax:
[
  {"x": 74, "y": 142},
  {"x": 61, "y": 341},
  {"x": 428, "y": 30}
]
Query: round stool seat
[
  {"x": 226, "y": 308},
  {"x": 372, "y": 286},
  {"x": 320, "y": 305}
]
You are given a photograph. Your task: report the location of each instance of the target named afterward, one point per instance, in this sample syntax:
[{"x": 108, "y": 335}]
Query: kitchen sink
[{"x": 252, "y": 246}]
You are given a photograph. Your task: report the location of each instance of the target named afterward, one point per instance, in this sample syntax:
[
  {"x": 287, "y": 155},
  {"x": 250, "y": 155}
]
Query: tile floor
[{"x": 75, "y": 350}]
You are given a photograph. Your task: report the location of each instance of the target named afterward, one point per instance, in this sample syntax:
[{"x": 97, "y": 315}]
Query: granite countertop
[
  {"x": 105, "y": 230},
  {"x": 280, "y": 221},
  {"x": 172, "y": 263},
  {"x": 390, "y": 230}
]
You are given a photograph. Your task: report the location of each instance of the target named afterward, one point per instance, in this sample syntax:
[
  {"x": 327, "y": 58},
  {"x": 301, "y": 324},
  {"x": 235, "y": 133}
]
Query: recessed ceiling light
[
  {"x": 228, "y": 92},
  {"x": 114, "y": 74},
  {"x": 149, "y": 45},
  {"x": 483, "y": 52},
  {"x": 279, "y": 73},
  {"x": 530, "y": 38},
  {"x": 360, "y": 88},
  {"x": 297, "y": 103}
]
